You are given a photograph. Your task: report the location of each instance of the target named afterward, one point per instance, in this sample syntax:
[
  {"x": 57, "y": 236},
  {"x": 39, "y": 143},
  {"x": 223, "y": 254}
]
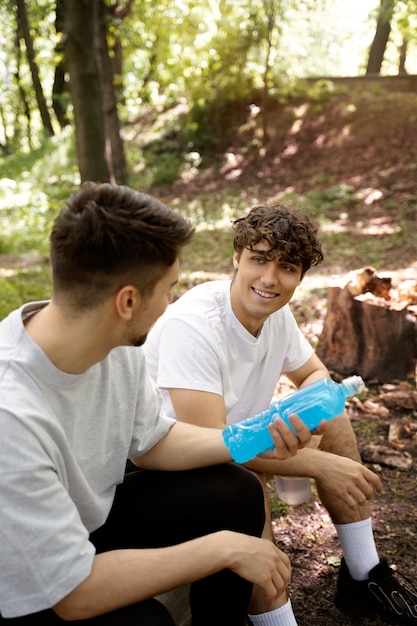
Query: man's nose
[{"x": 270, "y": 274}]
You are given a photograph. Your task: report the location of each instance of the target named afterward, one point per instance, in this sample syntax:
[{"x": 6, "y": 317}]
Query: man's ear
[
  {"x": 235, "y": 260},
  {"x": 127, "y": 300}
]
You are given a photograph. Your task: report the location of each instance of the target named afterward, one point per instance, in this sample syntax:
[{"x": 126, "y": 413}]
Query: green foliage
[
  {"x": 333, "y": 198},
  {"x": 370, "y": 428},
  {"x": 166, "y": 169},
  {"x": 278, "y": 507},
  {"x": 218, "y": 52},
  {"x": 201, "y": 54},
  {"x": 33, "y": 187},
  {"x": 9, "y": 297},
  {"x": 21, "y": 129},
  {"x": 213, "y": 124},
  {"x": 324, "y": 89},
  {"x": 24, "y": 285}
]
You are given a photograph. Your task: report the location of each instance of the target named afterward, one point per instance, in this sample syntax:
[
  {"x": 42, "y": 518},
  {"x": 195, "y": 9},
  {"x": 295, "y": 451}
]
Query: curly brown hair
[{"x": 291, "y": 234}]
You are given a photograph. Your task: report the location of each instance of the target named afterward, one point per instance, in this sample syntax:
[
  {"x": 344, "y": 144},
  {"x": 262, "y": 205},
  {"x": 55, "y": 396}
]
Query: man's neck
[
  {"x": 252, "y": 325},
  {"x": 73, "y": 345}
]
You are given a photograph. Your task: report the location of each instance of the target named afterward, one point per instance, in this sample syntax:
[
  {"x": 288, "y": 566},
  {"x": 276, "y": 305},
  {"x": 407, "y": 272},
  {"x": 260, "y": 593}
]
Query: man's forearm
[
  {"x": 123, "y": 577},
  {"x": 187, "y": 446},
  {"x": 305, "y": 463}
]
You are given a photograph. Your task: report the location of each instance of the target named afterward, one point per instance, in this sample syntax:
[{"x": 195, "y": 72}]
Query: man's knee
[
  {"x": 246, "y": 486},
  {"x": 339, "y": 438}
]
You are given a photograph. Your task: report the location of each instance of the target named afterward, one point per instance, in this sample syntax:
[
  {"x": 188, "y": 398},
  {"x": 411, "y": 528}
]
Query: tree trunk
[
  {"x": 4, "y": 146},
  {"x": 24, "y": 29},
  {"x": 369, "y": 329},
  {"x": 272, "y": 9},
  {"x": 382, "y": 33},
  {"x": 17, "y": 131},
  {"x": 120, "y": 12},
  {"x": 80, "y": 20},
  {"x": 403, "y": 56},
  {"x": 265, "y": 99},
  {"x": 60, "y": 89},
  {"x": 114, "y": 149}
]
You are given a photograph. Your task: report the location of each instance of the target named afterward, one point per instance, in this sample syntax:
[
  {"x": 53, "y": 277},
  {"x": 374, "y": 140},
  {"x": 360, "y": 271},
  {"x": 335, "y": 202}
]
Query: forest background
[
  {"x": 166, "y": 95},
  {"x": 213, "y": 107}
]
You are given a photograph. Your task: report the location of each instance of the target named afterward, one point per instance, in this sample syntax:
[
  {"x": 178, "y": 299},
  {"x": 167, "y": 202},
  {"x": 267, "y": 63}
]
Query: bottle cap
[{"x": 353, "y": 385}]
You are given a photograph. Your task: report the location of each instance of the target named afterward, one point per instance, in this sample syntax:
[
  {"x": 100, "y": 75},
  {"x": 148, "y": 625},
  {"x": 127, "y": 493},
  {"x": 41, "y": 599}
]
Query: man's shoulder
[
  {"x": 208, "y": 288},
  {"x": 211, "y": 295},
  {"x": 199, "y": 313},
  {"x": 10, "y": 332}
]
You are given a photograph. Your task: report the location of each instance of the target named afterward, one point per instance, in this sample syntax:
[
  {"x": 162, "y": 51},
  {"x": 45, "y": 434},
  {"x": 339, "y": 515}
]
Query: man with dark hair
[
  {"x": 80, "y": 539},
  {"x": 217, "y": 354}
]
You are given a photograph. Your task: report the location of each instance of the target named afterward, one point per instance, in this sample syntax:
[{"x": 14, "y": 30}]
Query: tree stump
[{"x": 370, "y": 328}]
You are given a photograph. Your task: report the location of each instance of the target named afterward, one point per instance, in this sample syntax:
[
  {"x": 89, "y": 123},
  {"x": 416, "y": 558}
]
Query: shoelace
[
  {"x": 399, "y": 600},
  {"x": 390, "y": 576},
  {"x": 404, "y": 577}
]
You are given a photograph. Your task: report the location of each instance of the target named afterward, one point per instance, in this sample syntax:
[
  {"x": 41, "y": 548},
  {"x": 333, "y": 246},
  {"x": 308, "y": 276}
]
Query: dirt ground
[
  {"x": 309, "y": 539},
  {"x": 306, "y": 533}
]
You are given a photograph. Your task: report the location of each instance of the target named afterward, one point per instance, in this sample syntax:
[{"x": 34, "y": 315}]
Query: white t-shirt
[
  {"x": 199, "y": 344},
  {"x": 64, "y": 444}
]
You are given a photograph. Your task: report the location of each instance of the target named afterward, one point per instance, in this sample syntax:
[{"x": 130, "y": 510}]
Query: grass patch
[
  {"x": 22, "y": 285},
  {"x": 370, "y": 428},
  {"x": 33, "y": 188},
  {"x": 278, "y": 507}
]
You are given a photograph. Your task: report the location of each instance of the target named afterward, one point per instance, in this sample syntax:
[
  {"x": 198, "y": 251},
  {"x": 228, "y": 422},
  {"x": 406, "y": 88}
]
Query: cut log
[{"x": 370, "y": 329}]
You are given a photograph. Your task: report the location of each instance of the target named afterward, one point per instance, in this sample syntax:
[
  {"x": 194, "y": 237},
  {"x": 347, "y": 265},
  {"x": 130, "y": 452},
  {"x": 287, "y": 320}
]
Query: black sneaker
[{"x": 381, "y": 595}]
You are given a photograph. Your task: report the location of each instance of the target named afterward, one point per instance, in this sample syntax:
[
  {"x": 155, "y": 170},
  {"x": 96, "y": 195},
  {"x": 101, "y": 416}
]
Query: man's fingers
[{"x": 295, "y": 434}]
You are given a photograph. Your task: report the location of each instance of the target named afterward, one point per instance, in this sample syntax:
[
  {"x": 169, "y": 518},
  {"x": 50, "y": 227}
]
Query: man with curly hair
[{"x": 217, "y": 354}]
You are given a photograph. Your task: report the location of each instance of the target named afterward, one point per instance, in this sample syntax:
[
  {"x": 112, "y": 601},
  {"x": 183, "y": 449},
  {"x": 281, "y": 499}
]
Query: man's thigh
[{"x": 157, "y": 509}]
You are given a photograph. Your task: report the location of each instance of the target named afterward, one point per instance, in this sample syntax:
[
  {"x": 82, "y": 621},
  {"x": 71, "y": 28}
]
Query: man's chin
[{"x": 139, "y": 341}]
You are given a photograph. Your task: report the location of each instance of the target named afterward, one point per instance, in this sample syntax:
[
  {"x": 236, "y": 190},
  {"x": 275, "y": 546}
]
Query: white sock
[
  {"x": 358, "y": 545},
  {"x": 278, "y": 617}
]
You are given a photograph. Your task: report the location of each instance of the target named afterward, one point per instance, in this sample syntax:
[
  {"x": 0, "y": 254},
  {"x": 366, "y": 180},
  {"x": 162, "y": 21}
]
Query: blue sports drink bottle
[{"x": 321, "y": 400}]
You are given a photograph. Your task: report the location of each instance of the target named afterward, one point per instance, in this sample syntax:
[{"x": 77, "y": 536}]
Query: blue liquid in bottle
[{"x": 322, "y": 400}]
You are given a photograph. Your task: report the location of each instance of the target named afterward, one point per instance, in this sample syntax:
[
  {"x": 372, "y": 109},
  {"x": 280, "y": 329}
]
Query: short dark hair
[
  {"x": 108, "y": 236},
  {"x": 291, "y": 234}
]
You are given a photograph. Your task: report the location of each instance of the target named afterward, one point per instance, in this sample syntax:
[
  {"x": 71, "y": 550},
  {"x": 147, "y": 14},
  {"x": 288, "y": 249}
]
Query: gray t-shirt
[{"x": 64, "y": 444}]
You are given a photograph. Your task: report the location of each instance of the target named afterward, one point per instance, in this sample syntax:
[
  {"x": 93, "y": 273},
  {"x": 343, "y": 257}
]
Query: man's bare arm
[
  {"x": 123, "y": 577},
  {"x": 187, "y": 446}
]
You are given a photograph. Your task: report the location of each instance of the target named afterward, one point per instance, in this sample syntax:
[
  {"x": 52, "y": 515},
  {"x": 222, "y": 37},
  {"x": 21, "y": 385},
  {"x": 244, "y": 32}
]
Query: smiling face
[{"x": 261, "y": 285}]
